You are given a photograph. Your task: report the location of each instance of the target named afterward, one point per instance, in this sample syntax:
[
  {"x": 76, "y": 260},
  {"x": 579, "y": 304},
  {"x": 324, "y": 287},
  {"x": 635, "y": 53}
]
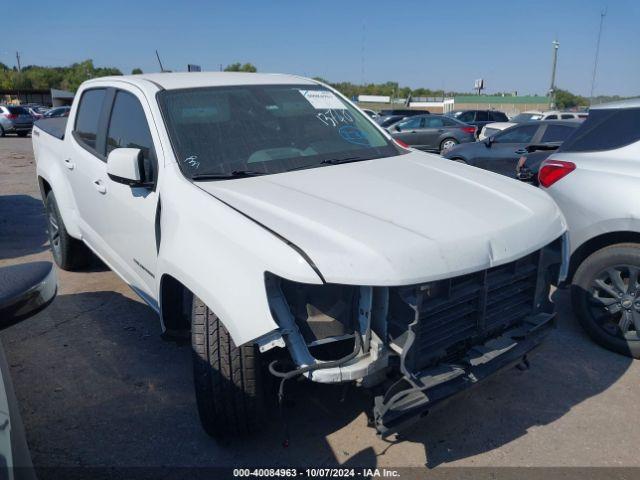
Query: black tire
[
  {"x": 452, "y": 142},
  {"x": 2, "y": 133},
  {"x": 68, "y": 253},
  {"x": 228, "y": 379},
  {"x": 605, "y": 294},
  {"x": 22, "y": 134}
]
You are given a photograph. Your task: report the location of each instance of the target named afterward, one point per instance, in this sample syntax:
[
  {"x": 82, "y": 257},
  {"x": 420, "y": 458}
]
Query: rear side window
[
  {"x": 18, "y": 110},
  {"x": 522, "y": 134},
  {"x": 466, "y": 116},
  {"x": 605, "y": 129},
  {"x": 128, "y": 128},
  {"x": 498, "y": 117},
  {"x": 567, "y": 116},
  {"x": 88, "y": 116},
  {"x": 551, "y": 117},
  {"x": 482, "y": 116},
  {"x": 556, "y": 133},
  {"x": 433, "y": 122}
]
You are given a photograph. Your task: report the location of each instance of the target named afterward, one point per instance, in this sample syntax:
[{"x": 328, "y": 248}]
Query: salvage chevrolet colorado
[{"x": 291, "y": 235}]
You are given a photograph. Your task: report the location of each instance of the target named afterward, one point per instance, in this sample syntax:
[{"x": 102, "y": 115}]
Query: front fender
[{"x": 221, "y": 256}]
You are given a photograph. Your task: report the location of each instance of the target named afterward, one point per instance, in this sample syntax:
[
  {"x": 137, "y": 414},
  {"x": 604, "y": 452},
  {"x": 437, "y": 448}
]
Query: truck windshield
[{"x": 217, "y": 132}]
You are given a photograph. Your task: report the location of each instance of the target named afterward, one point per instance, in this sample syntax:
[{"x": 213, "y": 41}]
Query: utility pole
[
  {"x": 18, "y": 60},
  {"x": 364, "y": 33},
  {"x": 603, "y": 14},
  {"x": 161, "y": 68},
  {"x": 552, "y": 89}
]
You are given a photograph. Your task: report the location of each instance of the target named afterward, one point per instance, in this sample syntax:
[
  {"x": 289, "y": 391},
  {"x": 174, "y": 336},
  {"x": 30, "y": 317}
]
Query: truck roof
[
  {"x": 172, "y": 81},
  {"x": 630, "y": 103}
]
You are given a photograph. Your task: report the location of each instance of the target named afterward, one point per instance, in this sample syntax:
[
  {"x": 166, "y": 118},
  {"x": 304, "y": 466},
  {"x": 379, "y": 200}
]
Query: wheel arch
[
  {"x": 596, "y": 243},
  {"x": 175, "y": 304},
  {"x": 64, "y": 199}
]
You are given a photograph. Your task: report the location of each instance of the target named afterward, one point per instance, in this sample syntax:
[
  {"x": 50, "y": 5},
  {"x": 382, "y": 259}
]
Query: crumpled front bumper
[{"x": 412, "y": 397}]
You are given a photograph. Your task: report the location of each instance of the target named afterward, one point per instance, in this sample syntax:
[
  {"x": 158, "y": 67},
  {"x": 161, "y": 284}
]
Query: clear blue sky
[{"x": 433, "y": 44}]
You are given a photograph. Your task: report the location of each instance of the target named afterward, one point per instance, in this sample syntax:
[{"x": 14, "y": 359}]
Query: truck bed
[{"x": 53, "y": 126}]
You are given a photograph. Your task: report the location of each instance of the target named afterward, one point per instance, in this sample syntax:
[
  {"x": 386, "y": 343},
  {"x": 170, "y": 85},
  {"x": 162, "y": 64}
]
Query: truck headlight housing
[{"x": 315, "y": 315}]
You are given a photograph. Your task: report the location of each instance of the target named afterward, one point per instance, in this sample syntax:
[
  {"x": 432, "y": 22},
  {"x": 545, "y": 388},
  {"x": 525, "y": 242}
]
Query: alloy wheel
[
  {"x": 615, "y": 301},
  {"x": 446, "y": 145}
]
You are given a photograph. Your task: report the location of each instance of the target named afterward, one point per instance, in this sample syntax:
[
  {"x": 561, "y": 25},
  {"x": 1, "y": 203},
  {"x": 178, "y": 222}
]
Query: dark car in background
[
  {"x": 500, "y": 153},
  {"x": 58, "y": 112},
  {"x": 479, "y": 118},
  {"x": 435, "y": 133},
  {"x": 15, "y": 119},
  {"x": 528, "y": 165}
]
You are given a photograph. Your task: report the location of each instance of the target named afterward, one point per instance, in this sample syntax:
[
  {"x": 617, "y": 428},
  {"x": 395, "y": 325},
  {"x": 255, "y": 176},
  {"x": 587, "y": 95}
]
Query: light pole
[{"x": 552, "y": 88}]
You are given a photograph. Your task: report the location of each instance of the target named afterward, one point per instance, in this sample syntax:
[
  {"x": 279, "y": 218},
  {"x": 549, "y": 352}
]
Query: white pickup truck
[{"x": 274, "y": 220}]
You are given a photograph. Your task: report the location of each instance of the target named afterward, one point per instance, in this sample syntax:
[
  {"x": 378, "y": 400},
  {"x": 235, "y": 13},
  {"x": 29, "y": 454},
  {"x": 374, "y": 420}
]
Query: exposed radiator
[{"x": 451, "y": 315}]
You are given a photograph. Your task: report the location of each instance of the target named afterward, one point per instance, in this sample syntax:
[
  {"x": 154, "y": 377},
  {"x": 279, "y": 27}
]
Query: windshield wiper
[
  {"x": 338, "y": 161},
  {"x": 329, "y": 161},
  {"x": 228, "y": 175}
]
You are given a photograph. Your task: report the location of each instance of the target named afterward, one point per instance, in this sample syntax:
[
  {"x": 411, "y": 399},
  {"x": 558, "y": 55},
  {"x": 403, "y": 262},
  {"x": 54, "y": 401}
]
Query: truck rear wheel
[
  {"x": 228, "y": 379},
  {"x": 68, "y": 252},
  {"x": 606, "y": 297}
]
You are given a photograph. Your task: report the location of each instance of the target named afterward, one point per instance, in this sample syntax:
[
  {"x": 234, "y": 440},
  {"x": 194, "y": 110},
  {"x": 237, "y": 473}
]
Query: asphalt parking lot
[{"x": 98, "y": 387}]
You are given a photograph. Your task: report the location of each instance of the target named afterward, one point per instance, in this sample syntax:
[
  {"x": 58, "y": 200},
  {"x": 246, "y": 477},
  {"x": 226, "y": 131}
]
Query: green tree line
[
  {"x": 44, "y": 78},
  {"x": 69, "y": 78}
]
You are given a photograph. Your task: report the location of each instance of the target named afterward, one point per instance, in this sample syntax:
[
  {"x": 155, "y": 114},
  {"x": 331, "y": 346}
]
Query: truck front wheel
[
  {"x": 227, "y": 378},
  {"x": 68, "y": 252}
]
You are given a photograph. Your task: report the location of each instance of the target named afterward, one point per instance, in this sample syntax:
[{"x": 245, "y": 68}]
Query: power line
[{"x": 603, "y": 14}]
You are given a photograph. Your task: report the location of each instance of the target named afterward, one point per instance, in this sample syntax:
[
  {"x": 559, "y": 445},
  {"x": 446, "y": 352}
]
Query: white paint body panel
[
  {"x": 393, "y": 221},
  {"x": 601, "y": 195},
  {"x": 399, "y": 220}
]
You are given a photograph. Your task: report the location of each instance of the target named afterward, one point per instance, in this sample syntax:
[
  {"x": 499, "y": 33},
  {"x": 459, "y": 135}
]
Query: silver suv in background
[
  {"x": 595, "y": 179},
  {"x": 15, "y": 119}
]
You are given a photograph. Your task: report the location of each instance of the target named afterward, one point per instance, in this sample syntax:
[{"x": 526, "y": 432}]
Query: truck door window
[
  {"x": 89, "y": 109},
  {"x": 128, "y": 128}
]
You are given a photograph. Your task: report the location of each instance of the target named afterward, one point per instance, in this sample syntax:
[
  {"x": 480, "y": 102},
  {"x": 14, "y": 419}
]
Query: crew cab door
[{"x": 120, "y": 219}]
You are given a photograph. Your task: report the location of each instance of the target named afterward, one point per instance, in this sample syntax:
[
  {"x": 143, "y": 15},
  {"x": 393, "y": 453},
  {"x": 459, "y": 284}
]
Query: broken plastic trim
[
  {"x": 408, "y": 400},
  {"x": 334, "y": 371}
]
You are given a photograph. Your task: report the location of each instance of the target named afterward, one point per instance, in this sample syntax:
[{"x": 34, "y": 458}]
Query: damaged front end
[{"x": 417, "y": 345}]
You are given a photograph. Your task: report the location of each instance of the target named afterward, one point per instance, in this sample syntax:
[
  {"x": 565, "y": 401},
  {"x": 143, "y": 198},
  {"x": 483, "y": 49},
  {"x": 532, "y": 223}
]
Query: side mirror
[
  {"x": 25, "y": 289},
  {"x": 124, "y": 166}
]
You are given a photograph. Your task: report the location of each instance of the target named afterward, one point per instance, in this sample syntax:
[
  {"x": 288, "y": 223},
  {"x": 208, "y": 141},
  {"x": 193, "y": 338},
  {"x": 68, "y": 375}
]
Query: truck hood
[{"x": 398, "y": 220}]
